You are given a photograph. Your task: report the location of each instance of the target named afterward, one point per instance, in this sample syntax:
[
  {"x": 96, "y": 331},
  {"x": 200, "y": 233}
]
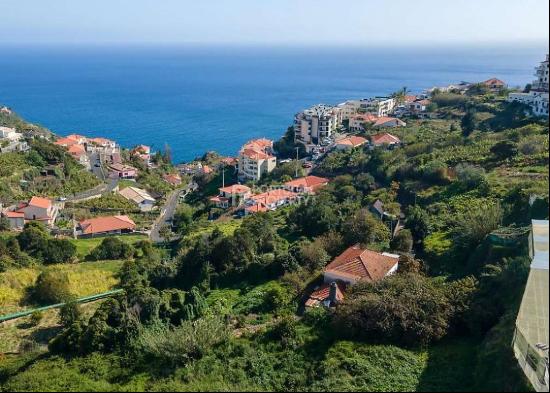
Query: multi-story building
[
  {"x": 316, "y": 124},
  {"x": 256, "y": 159},
  {"x": 11, "y": 140},
  {"x": 378, "y": 106},
  {"x": 537, "y": 98},
  {"x": 530, "y": 342}
]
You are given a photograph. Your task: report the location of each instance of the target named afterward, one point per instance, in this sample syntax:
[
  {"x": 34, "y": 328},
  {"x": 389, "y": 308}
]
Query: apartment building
[
  {"x": 11, "y": 140},
  {"x": 256, "y": 159},
  {"x": 537, "y": 98},
  {"x": 316, "y": 124}
]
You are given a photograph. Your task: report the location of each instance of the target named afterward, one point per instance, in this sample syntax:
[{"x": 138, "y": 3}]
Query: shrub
[
  {"x": 111, "y": 248},
  {"x": 36, "y": 318},
  {"x": 52, "y": 286},
  {"x": 469, "y": 176},
  {"x": 403, "y": 241}
]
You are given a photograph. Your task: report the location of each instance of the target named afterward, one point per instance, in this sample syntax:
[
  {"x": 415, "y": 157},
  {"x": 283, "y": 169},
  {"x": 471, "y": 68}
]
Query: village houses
[{"x": 36, "y": 209}]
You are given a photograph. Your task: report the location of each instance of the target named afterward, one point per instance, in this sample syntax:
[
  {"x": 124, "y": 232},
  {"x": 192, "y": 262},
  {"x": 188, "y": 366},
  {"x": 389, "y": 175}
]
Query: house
[
  {"x": 538, "y": 97},
  {"x": 122, "y": 171},
  {"x": 78, "y": 152},
  {"x": 494, "y": 84},
  {"x": 418, "y": 106},
  {"x": 385, "y": 121},
  {"x": 256, "y": 159},
  {"x": 6, "y": 110},
  {"x": 234, "y": 195},
  {"x": 101, "y": 226},
  {"x": 315, "y": 125},
  {"x": 11, "y": 140},
  {"x": 306, "y": 185},
  {"x": 360, "y": 264},
  {"x": 384, "y": 139},
  {"x": 102, "y": 142},
  {"x": 36, "y": 209},
  {"x": 140, "y": 197},
  {"x": 172, "y": 178},
  {"x": 142, "y": 152},
  {"x": 206, "y": 170},
  {"x": 270, "y": 200},
  {"x": 353, "y": 265},
  {"x": 357, "y": 122},
  {"x": 350, "y": 142}
]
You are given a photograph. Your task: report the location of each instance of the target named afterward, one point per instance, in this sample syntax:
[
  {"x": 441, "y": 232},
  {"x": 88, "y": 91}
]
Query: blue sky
[{"x": 285, "y": 22}]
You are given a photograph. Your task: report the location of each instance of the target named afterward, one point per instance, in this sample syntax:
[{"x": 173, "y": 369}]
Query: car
[
  {"x": 97, "y": 165},
  {"x": 307, "y": 165},
  {"x": 61, "y": 199}
]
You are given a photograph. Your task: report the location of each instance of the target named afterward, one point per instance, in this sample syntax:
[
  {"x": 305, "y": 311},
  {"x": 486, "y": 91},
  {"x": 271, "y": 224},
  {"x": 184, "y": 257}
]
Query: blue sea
[{"x": 215, "y": 98}]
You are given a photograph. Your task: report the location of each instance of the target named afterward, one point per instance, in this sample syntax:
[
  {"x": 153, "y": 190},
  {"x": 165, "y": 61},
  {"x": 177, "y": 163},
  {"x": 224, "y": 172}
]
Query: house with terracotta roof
[
  {"x": 306, "y": 185},
  {"x": 122, "y": 171},
  {"x": 234, "y": 195},
  {"x": 172, "y": 178},
  {"x": 384, "y": 139},
  {"x": 140, "y": 197},
  {"x": 142, "y": 152},
  {"x": 356, "y": 264},
  {"x": 494, "y": 84},
  {"x": 360, "y": 264},
  {"x": 350, "y": 142},
  {"x": 36, "y": 209},
  {"x": 256, "y": 159},
  {"x": 102, "y": 226},
  {"x": 385, "y": 121},
  {"x": 270, "y": 200},
  {"x": 418, "y": 106},
  {"x": 357, "y": 122}
]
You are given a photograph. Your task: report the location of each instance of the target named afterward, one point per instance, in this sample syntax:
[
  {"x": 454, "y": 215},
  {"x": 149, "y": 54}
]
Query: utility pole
[{"x": 223, "y": 174}]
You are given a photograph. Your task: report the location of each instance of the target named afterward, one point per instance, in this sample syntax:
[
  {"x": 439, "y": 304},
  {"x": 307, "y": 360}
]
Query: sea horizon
[{"x": 216, "y": 97}]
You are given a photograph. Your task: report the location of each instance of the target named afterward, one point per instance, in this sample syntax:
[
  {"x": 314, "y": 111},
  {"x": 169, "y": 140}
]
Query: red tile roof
[
  {"x": 385, "y": 138},
  {"x": 254, "y": 154},
  {"x": 14, "y": 214},
  {"x": 235, "y": 189},
  {"x": 172, "y": 178},
  {"x": 313, "y": 182},
  {"x": 44, "y": 203},
  {"x": 106, "y": 224},
  {"x": 274, "y": 196},
  {"x": 362, "y": 264},
  {"x": 367, "y": 117},
  {"x": 353, "y": 141},
  {"x": 493, "y": 81},
  {"x": 323, "y": 292},
  {"x": 385, "y": 119}
]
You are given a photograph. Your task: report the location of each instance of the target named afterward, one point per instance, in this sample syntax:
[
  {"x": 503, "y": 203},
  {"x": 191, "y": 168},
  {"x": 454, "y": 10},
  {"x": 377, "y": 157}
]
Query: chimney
[{"x": 332, "y": 294}]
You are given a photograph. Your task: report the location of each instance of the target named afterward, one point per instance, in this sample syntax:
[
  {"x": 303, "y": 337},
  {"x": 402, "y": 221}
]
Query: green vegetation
[{"x": 222, "y": 308}]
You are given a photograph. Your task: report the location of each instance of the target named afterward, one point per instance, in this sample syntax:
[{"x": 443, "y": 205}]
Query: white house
[
  {"x": 316, "y": 124},
  {"x": 537, "y": 98},
  {"x": 140, "y": 197},
  {"x": 37, "y": 209}
]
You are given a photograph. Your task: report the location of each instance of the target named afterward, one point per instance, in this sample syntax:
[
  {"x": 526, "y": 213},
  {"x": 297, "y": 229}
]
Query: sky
[{"x": 273, "y": 22}]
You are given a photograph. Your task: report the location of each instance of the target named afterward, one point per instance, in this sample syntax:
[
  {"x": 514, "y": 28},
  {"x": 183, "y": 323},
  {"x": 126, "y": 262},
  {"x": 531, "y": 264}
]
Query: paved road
[{"x": 167, "y": 214}]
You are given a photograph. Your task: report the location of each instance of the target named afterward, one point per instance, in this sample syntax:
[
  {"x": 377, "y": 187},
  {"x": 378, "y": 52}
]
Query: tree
[
  {"x": 364, "y": 228},
  {"x": 468, "y": 122},
  {"x": 474, "y": 225},
  {"x": 70, "y": 312},
  {"x": 504, "y": 150},
  {"x": 417, "y": 222},
  {"x": 312, "y": 255},
  {"x": 183, "y": 218},
  {"x": 111, "y": 248},
  {"x": 403, "y": 241},
  {"x": 4, "y": 224},
  {"x": 165, "y": 233},
  {"x": 469, "y": 176},
  {"x": 52, "y": 286},
  {"x": 407, "y": 308}
]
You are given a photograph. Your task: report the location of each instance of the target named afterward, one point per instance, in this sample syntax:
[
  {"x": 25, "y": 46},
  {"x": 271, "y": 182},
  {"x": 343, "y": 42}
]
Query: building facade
[
  {"x": 537, "y": 98},
  {"x": 316, "y": 124},
  {"x": 256, "y": 159}
]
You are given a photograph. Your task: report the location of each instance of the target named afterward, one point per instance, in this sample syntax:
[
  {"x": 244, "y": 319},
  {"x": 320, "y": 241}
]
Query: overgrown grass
[{"x": 85, "y": 246}]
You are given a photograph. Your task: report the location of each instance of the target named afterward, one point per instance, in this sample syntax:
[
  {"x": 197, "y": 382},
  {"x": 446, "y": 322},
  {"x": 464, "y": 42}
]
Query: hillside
[{"x": 222, "y": 307}]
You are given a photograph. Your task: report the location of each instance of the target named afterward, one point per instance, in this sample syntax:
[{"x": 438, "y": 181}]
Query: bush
[
  {"x": 403, "y": 241},
  {"x": 408, "y": 308},
  {"x": 52, "y": 286},
  {"x": 111, "y": 248},
  {"x": 36, "y": 318},
  {"x": 469, "y": 176}
]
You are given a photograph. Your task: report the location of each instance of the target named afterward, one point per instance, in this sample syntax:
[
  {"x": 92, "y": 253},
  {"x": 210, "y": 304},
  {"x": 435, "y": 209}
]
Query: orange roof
[
  {"x": 312, "y": 182},
  {"x": 144, "y": 149},
  {"x": 385, "y": 119},
  {"x": 367, "y": 117},
  {"x": 235, "y": 189},
  {"x": 260, "y": 207},
  {"x": 353, "y": 141},
  {"x": 362, "y": 264},
  {"x": 14, "y": 214},
  {"x": 76, "y": 150},
  {"x": 493, "y": 81},
  {"x": 274, "y": 196},
  {"x": 218, "y": 199},
  {"x": 66, "y": 142},
  {"x": 258, "y": 144},
  {"x": 106, "y": 224},
  {"x": 172, "y": 178},
  {"x": 255, "y": 154},
  {"x": 76, "y": 137},
  {"x": 323, "y": 292},
  {"x": 206, "y": 169},
  {"x": 409, "y": 98},
  {"x": 44, "y": 203},
  {"x": 385, "y": 138}
]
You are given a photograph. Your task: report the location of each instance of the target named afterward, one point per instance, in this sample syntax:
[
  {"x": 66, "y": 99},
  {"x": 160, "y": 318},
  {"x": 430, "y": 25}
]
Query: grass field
[{"x": 85, "y": 278}]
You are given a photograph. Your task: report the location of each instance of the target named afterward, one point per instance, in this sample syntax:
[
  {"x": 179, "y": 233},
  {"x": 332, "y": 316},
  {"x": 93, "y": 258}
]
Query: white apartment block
[
  {"x": 317, "y": 123},
  {"x": 537, "y": 98},
  {"x": 379, "y": 106},
  {"x": 256, "y": 159}
]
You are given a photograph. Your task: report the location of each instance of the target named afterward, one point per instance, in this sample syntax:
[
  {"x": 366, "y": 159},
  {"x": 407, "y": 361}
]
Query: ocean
[{"x": 197, "y": 99}]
